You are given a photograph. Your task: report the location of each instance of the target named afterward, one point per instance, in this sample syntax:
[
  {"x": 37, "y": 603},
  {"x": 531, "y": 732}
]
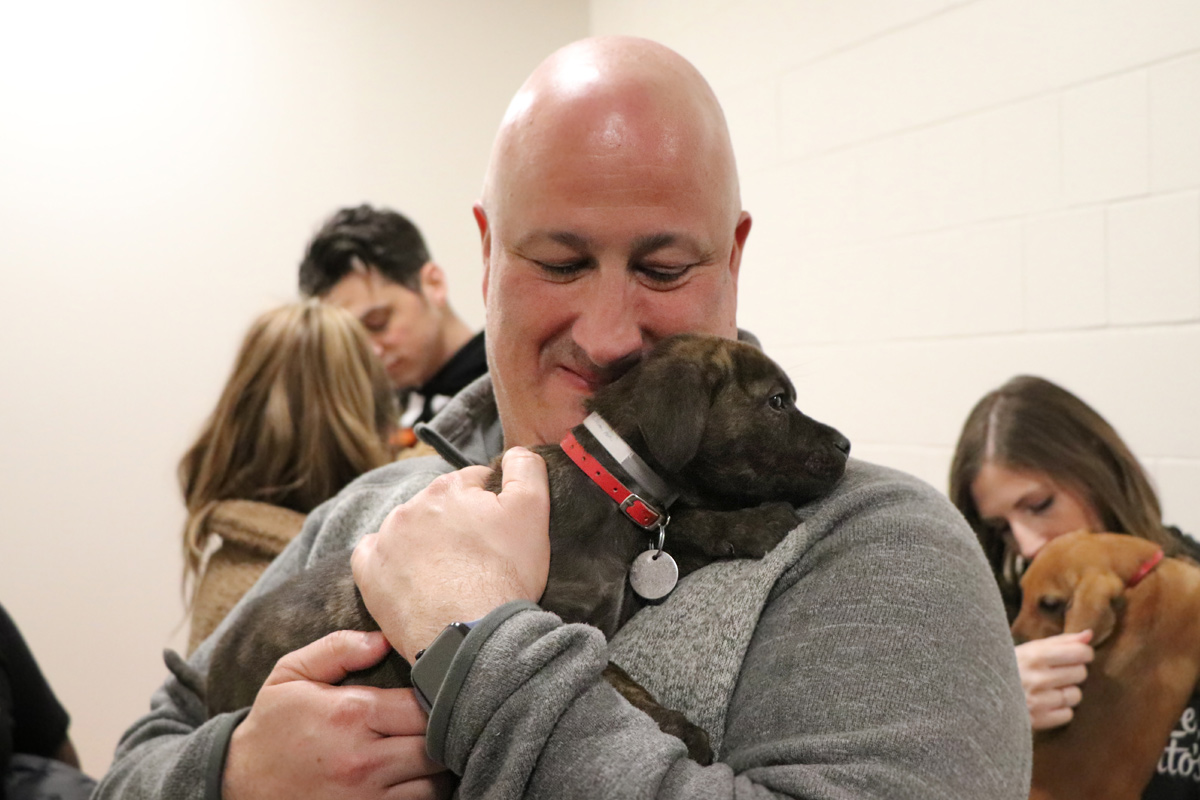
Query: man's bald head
[
  {"x": 610, "y": 219},
  {"x": 609, "y": 98}
]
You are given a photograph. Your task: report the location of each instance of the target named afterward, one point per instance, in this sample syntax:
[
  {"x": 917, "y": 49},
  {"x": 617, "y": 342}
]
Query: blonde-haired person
[
  {"x": 1034, "y": 462},
  {"x": 307, "y": 408}
]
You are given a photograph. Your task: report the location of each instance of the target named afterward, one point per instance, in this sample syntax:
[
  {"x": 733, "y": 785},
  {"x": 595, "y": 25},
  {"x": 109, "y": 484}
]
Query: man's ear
[
  {"x": 433, "y": 283},
  {"x": 740, "y": 232},
  {"x": 674, "y": 402},
  {"x": 1097, "y": 598},
  {"x": 485, "y": 239}
]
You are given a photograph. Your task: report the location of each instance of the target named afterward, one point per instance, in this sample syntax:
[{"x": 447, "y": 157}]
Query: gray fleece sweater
[{"x": 867, "y": 656}]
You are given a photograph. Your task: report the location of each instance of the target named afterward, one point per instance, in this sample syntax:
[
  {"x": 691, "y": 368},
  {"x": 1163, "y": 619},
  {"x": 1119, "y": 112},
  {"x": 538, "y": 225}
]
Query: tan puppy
[{"x": 1144, "y": 612}]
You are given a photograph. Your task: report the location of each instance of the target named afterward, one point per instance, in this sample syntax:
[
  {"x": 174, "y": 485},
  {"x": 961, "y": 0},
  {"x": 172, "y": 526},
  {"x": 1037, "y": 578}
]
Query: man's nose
[{"x": 608, "y": 326}]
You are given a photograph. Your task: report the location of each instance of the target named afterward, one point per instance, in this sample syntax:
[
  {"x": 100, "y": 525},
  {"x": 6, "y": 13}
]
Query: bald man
[{"x": 867, "y": 656}]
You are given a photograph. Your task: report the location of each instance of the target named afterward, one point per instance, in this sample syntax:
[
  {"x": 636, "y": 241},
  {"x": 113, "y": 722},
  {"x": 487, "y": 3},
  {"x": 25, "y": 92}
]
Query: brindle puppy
[{"x": 715, "y": 419}]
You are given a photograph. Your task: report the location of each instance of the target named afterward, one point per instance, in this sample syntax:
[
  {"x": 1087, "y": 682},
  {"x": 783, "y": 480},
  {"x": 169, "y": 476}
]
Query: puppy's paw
[
  {"x": 757, "y": 530},
  {"x": 694, "y": 737},
  {"x": 668, "y": 719},
  {"x": 742, "y": 533}
]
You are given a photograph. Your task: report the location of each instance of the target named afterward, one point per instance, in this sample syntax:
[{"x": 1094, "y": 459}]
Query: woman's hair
[
  {"x": 1032, "y": 424},
  {"x": 307, "y": 409}
]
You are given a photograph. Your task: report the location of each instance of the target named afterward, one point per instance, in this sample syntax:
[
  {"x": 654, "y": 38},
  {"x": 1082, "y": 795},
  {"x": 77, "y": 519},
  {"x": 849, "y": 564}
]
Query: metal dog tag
[{"x": 653, "y": 574}]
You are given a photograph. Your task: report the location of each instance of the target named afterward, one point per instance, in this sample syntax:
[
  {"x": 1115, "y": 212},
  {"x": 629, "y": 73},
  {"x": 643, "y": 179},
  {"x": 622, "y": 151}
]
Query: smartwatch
[{"x": 432, "y": 664}]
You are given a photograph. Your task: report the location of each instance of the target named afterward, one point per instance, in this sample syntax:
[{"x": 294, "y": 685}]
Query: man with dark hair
[{"x": 374, "y": 263}]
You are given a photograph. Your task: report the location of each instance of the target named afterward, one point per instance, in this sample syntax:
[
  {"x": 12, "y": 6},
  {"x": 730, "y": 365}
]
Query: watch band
[{"x": 431, "y": 665}]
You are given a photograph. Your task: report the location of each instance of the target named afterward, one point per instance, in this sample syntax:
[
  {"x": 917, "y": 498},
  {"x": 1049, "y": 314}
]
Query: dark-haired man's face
[{"x": 404, "y": 325}]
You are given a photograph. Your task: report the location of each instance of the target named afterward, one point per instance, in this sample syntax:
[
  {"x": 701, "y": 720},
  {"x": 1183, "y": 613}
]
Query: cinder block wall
[
  {"x": 161, "y": 167},
  {"x": 948, "y": 193}
]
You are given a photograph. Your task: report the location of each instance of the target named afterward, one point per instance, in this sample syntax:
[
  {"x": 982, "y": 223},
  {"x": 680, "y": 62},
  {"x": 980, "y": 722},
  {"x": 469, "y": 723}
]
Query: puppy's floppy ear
[
  {"x": 1097, "y": 598},
  {"x": 673, "y": 406}
]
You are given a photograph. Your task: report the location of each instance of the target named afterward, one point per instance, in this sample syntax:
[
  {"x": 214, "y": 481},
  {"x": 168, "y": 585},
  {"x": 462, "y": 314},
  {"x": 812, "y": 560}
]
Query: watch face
[{"x": 433, "y": 663}]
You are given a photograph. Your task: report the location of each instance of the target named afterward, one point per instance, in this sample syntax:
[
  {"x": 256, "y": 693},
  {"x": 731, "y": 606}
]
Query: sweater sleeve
[
  {"x": 880, "y": 667},
  {"x": 900, "y": 679},
  {"x": 174, "y": 750}
]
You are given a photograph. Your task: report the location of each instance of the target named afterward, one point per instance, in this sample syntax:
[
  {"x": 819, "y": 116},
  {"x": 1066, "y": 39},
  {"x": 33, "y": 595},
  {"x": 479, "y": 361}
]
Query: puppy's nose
[{"x": 842, "y": 443}]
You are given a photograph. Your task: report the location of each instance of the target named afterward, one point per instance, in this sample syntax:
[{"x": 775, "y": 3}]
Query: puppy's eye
[
  {"x": 1052, "y": 605},
  {"x": 778, "y": 401}
]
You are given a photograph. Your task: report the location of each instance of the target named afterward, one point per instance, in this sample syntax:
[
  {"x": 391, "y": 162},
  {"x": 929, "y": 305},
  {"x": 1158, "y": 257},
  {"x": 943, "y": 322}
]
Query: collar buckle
[{"x": 644, "y": 513}]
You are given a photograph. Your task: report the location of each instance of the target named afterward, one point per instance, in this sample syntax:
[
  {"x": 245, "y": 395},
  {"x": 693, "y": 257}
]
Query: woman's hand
[{"x": 1051, "y": 671}]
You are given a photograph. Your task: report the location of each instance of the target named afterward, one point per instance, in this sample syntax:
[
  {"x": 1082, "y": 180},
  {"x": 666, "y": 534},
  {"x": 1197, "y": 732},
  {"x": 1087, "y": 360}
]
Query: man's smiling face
[{"x": 605, "y": 231}]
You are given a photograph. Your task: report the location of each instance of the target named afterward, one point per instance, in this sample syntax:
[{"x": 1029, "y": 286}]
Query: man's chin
[
  {"x": 554, "y": 431},
  {"x": 554, "y": 425},
  {"x": 557, "y": 408}
]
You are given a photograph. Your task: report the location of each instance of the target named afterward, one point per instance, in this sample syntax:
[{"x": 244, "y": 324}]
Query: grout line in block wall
[
  {"x": 1173, "y": 461},
  {"x": 1003, "y": 219},
  {"x": 982, "y": 110},
  {"x": 1025, "y": 290},
  {"x": 1148, "y": 121},
  {"x": 883, "y": 33},
  {"x": 1107, "y": 262},
  {"x": 996, "y": 336},
  {"x": 908, "y": 447}
]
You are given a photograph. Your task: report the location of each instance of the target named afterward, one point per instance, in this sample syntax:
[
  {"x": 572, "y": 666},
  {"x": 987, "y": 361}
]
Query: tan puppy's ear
[
  {"x": 1128, "y": 555},
  {"x": 1094, "y": 605}
]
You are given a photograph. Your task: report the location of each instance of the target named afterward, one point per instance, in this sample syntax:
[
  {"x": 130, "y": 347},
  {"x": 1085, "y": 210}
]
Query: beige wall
[
  {"x": 947, "y": 193},
  {"x": 161, "y": 166}
]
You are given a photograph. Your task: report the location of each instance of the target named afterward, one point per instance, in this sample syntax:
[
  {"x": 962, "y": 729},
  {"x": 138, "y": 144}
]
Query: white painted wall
[
  {"x": 161, "y": 167},
  {"x": 950, "y": 192},
  {"x": 945, "y": 193}
]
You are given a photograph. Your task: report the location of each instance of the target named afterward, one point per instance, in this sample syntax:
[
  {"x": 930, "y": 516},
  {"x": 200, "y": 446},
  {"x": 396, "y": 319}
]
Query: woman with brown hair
[
  {"x": 1034, "y": 462},
  {"x": 307, "y": 409}
]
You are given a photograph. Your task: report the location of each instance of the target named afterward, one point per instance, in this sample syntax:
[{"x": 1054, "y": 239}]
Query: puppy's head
[
  {"x": 1078, "y": 581},
  {"x": 720, "y": 416}
]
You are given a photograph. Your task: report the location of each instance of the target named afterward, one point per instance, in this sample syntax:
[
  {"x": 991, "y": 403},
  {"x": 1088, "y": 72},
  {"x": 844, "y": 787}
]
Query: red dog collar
[
  {"x": 640, "y": 511},
  {"x": 1145, "y": 569}
]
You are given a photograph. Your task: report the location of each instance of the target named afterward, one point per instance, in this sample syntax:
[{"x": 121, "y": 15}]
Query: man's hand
[
  {"x": 1051, "y": 671},
  {"x": 456, "y": 551},
  {"x": 305, "y": 738}
]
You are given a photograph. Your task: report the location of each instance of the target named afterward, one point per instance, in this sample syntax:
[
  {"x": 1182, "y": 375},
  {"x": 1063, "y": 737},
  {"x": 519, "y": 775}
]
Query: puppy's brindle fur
[
  {"x": 1147, "y": 664},
  {"x": 714, "y": 418}
]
